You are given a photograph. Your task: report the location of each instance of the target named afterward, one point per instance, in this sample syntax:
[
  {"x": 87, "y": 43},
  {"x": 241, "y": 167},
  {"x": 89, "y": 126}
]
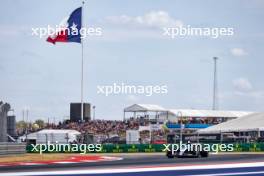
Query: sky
[{"x": 45, "y": 78}]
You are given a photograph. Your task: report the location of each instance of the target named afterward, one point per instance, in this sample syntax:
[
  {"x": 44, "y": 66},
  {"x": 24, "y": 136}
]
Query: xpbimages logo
[
  {"x": 123, "y": 88},
  {"x": 184, "y": 31},
  {"x": 70, "y": 31},
  {"x": 57, "y": 147},
  {"x": 194, "y": 147}
]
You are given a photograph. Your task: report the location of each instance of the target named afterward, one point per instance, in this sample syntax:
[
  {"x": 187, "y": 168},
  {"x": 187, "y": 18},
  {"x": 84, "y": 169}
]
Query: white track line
[
  {"x": 29, "y": 164},
  {"x": 138, "y": 169}
]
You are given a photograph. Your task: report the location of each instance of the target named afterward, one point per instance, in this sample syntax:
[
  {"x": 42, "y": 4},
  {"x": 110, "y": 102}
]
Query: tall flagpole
[
  {"x": 214, "y": 107},
  {"x": 82, "y": 66}
]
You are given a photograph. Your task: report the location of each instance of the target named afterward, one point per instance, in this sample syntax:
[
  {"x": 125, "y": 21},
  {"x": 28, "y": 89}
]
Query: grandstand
[
  {"x": 153, "y": 122},
  {"x": 191, "y": 117}
]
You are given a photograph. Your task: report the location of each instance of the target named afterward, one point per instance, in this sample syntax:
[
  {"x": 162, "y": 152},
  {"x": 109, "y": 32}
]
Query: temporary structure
[{"x": 251, "y": 122}]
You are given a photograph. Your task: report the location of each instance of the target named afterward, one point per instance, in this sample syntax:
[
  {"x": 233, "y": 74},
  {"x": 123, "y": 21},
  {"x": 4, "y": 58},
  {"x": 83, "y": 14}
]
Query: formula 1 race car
[
  {"x": 186, "y": 153},
  {"x": 173, "y": 140}
]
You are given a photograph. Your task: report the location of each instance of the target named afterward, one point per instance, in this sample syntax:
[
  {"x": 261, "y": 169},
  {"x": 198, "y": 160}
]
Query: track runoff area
[{"x": 148, "y": 164}]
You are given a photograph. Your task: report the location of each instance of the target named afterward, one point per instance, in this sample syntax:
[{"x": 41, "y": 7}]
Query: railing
[
  {"x": 191, "y": 125},
  {"x": 7, "y": 148}
]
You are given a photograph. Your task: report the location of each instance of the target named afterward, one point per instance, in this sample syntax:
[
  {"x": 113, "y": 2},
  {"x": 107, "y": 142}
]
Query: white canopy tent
[
  {"x": 173, "y": 114},
  {"x": 251, "y": 122},
  {"x": 208, "y": 113},
  {"x": 57, "y": 135},
  {"x": 52, "y": 135},
  {"x": 30, "y": 136},
  {"x": 144, "y": 108}
]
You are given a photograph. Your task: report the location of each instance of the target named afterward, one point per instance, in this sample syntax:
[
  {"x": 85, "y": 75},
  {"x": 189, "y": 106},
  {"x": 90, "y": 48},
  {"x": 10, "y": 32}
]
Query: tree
[
  {"x": 40, "y": 123},
  {"x": 21, "y": 124}
]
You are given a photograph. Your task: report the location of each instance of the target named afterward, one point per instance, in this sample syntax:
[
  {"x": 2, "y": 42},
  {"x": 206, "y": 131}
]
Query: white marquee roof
[
  {"x": 251, "y": 122},
  {"x": 208, "y": 113},
  {"x": 48, "y": 131},
  {"x": 144, "y": 108}
]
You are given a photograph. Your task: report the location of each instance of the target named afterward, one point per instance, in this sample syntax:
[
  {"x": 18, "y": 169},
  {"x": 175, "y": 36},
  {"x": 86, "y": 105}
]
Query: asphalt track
[{"x": 152, "y": 162}]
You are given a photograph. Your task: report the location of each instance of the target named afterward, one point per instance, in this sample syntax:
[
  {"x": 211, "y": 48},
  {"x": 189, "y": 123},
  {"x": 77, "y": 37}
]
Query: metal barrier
[{"x": 7, "y": 148}]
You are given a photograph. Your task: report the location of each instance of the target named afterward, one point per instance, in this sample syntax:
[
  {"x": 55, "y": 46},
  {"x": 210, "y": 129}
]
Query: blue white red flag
[{"x": 69, "y": 28}]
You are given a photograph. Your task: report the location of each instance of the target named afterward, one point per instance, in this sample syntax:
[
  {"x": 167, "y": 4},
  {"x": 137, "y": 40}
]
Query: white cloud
[
  {"x": 244, "y": 88},
  {"x": 251, "y": 94},
  {"x": 145, "y": 26},
  {"x": 242, "y": 84},
  {"x": 238, "y": 52},
  {"x": 132, "y": 98},
  {"x": 150, "y": 19},
  {"x": 14, "y": 31}
]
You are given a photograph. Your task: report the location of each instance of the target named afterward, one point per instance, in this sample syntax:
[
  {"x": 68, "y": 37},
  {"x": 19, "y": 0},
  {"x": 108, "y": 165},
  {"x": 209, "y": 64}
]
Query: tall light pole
[
  {"x": 179, "y": 115},
  {"x": 214, "y": 107},
  {"x": 26, "y": 109},
  {"x": 82, "y": 42},
  {"x": 94, "y": 112},
  {"x": 23, "y": 115}
]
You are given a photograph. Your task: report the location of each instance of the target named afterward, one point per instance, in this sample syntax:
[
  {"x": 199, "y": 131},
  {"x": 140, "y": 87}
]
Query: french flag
[{"x": 70, "y": 29}]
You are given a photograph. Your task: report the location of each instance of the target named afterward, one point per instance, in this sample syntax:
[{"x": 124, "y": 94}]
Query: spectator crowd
[{"x": 103, "y": 127}]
